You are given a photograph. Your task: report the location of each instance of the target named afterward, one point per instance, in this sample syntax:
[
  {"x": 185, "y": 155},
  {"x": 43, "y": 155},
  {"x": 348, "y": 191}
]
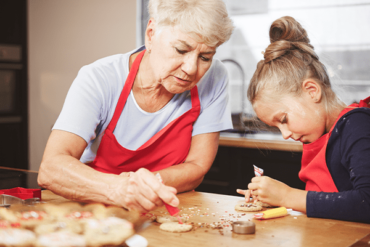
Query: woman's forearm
[
  {"x": 184, "y": 177},
  {"x": 188, "y": 175},
  {"x": 70, "y": 178}
]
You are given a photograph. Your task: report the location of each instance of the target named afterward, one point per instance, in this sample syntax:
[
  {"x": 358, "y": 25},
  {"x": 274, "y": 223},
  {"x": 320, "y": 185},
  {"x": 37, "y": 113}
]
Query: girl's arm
[{"x": 348, "y": 160}]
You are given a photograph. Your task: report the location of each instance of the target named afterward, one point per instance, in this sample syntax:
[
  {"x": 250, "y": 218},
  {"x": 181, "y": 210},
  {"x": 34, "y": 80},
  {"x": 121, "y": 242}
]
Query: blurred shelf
[{"x": 269, "y": 141}]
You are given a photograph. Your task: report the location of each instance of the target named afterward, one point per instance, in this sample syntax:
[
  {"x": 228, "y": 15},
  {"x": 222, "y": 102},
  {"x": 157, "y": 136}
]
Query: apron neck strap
[{"x": 126, "y": 91}]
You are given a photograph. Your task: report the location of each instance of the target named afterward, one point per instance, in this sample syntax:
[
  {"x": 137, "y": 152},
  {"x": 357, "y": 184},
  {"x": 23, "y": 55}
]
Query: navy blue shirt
[{"x": 348, "y": 161}]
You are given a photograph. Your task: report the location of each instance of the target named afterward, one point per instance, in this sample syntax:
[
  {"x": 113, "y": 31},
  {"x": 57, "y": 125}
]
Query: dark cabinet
[
  {"x": 12, "y": 21},
  {"x": 233, "y": 169},
  {"x": 13, "y": 84}
]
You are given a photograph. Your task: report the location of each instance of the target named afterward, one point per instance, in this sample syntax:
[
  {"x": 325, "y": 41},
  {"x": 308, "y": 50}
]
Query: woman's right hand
[{"x": 142, "y": 191}]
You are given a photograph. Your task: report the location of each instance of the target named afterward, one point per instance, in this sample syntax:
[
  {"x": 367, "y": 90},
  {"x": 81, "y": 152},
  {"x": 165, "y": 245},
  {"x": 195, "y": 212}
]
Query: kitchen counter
[
  {"x": 206, "y": 208},
  {"x": 269, "y": 141}
]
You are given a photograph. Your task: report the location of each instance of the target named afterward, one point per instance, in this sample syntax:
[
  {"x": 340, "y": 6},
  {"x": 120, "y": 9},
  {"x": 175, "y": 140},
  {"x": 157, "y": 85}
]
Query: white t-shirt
[{"x": 93, "y": 96}]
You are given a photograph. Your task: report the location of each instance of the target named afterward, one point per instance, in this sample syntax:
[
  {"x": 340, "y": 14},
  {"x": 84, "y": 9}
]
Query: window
[{"x": 339, "y": 31}]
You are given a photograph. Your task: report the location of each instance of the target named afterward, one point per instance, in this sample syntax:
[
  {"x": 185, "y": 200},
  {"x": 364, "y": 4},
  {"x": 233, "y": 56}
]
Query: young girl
[{"x": 290, "y": 89}]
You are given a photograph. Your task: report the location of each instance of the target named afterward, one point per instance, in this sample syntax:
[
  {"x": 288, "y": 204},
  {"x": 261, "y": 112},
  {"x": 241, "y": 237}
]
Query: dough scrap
[
  {"x": 175, "y": 227},
  {"x": 164, "y": 219}
]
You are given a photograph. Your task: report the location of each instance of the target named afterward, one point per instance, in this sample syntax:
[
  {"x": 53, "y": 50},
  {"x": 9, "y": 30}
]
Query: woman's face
[
  {"x": 177, "y": 61},
  {"x": 297, "y": 118}
]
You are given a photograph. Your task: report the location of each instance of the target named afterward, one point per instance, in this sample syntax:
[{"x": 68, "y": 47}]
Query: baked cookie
[
  {"x": 263, "y": 204},
  {"x": 249, "y": 206},
  {"x": 62, "y": 239},
  {"x": 60, "y": 211},
  {"x": 97, "y": 209},
  {"x": 149, "y": 216},
  {"x": 109, "y": 231},
  {"x": 6, "y": 214},
  {"x": 175, "y": 227},
  {"x": 71, "y": 226},
  {"x": 30, "y": 217},
  {"x": 74, "y": 211},
  {"x": 168, "y": 218},
  {"x": 16, "y": 237}
]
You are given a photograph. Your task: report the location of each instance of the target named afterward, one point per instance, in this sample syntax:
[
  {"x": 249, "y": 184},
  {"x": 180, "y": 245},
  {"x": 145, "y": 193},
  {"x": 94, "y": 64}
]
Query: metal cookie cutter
[
  {"x": 7, "y": 201},
  {"x": 244, "y": 227}
]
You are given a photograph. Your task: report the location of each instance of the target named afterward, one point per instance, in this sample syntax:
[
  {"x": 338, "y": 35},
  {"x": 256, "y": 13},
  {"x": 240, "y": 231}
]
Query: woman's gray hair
[{"x": 207, "y": 19}]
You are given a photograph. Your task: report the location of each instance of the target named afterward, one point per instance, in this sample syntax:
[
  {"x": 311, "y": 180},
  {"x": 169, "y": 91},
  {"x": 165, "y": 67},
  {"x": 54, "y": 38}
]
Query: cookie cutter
[
  {"x": 7, "y": 201},
  {"x": 244, "y": 227}
]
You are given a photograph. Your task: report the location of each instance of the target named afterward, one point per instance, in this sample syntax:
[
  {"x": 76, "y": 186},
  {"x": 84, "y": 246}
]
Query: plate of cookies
[{"x": 68, "y": 224}]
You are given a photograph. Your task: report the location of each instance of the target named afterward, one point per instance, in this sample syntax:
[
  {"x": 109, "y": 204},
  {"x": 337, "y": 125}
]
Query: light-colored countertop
[
  {"x": 268, "y": 141},
  {"x": 206, "y": 208}
]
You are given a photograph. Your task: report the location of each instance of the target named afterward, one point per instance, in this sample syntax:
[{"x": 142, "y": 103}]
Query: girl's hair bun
[
  {"x": 288, "y": 29},
  {"x": 288, "y": 36}
]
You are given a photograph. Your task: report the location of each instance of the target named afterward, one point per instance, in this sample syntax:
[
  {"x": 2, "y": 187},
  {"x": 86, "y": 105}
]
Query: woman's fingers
[
  {"x": 130, "y": 200},
  {"x": 152, "y": 189},
  {"x": 147, "y": 198}
]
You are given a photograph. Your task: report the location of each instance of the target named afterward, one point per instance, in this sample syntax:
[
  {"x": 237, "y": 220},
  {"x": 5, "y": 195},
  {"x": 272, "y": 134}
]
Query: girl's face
[{"x": 299, "y": 118}]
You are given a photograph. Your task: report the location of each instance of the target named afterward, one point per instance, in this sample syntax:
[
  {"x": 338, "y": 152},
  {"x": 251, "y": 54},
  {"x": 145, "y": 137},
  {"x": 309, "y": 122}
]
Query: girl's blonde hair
[
  {"x": 207, "y": 20},
  {"x": 288, "y": 61}
]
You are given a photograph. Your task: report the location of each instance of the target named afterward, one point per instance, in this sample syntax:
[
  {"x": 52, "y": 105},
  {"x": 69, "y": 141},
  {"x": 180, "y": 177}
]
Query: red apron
[
  {"x": 170, "y": 146},
  {"x": 314, "y": 171}
]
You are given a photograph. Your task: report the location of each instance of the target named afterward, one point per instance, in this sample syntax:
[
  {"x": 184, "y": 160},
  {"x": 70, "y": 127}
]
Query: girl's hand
[
  {"x": 268, "y": 190},
  {"x": 246, "y": 193},
  {"x": 142, "y": 191}
]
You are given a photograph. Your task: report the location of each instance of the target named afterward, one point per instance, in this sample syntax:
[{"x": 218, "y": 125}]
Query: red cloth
[
  {"x": 22, "y": 193},
  {"x": 170, "y": 146},
  {"x": 314, "y": 171}
]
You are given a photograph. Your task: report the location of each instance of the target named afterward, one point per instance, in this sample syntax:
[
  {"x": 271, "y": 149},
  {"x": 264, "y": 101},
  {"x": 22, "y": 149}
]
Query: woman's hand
[{"x": 142, "y": 191}]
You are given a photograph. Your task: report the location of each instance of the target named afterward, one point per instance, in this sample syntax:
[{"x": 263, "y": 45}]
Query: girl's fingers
[
  {"x": 242, "y": 192},
  {"x": 247, "y": 195},
  {"x": 255, "y": 199},
  {"x": 252, "y": 186},
  {"x": 256, "y": 179}
]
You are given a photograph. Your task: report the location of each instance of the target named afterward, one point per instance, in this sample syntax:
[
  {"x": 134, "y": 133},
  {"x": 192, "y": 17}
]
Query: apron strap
[
  {"x": 125, "y": 92},
  {"x": 365, "y": 102}
]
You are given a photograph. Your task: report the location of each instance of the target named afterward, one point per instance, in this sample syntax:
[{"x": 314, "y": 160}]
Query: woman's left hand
[{"x": 268, "y": 190}]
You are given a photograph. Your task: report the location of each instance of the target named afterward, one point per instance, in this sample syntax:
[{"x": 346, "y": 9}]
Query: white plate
[{"x": 137, "y": 241}]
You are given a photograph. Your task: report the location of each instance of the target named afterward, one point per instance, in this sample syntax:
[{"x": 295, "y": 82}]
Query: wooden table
[{"x": 208, "y": 208}]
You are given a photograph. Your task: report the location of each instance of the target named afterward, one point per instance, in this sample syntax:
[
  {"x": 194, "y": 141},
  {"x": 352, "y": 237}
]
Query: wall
[{"x": 62, "y": 37}]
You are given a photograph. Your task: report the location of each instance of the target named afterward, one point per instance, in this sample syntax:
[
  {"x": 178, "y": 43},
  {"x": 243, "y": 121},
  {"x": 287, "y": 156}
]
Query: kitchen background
[
  {"x": 339, "y": 31},
  {"x": 59, "y": 37}
]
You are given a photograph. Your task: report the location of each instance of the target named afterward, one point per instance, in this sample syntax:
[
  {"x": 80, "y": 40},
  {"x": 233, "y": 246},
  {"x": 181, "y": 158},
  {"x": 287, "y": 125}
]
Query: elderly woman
[{"x": 157, "y": 109}]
